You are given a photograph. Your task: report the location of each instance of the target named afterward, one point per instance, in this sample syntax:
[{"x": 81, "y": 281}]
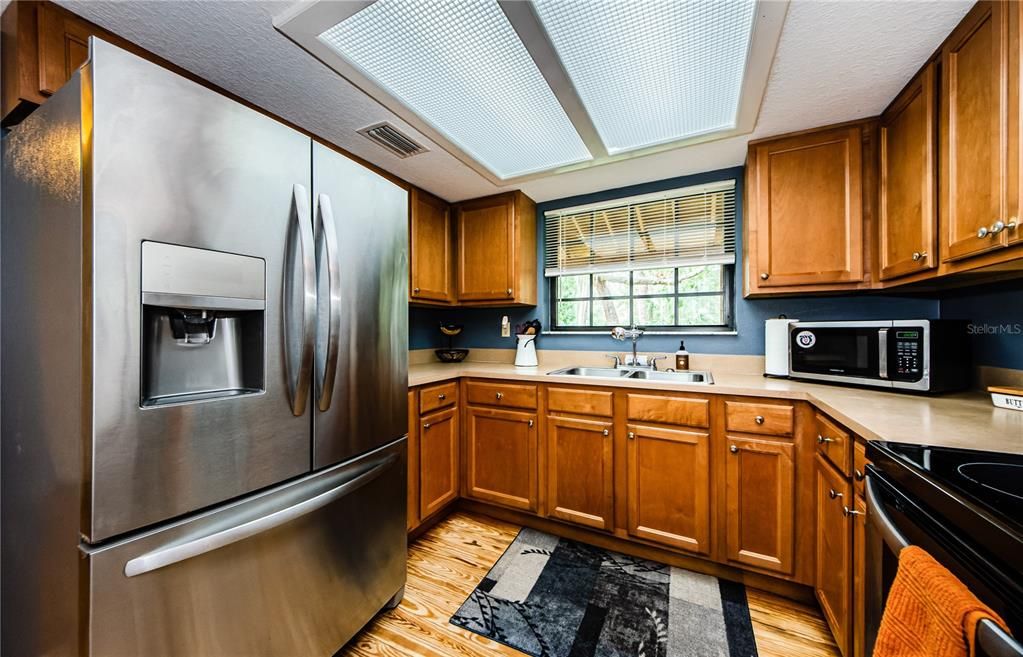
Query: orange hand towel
[{"x": 929, "y": 613}]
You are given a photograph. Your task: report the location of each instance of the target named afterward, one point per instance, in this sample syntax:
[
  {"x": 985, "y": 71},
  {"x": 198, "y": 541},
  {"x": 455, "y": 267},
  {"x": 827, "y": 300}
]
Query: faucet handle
[
  {"x": 617, "y": 359},
  {"x": 653, "y": 360}
]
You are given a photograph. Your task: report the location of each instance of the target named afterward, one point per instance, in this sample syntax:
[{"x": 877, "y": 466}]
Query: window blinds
[{"x": 687, "y": 226}]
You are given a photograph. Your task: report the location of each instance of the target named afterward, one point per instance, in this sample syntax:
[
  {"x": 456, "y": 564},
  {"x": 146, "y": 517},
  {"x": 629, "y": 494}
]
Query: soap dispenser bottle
[{"x": 681, "y": 357}]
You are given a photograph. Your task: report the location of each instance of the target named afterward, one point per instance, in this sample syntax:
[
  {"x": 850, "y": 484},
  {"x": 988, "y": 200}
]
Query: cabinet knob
[
  {"x": 759, "y": 419},
  {"x": 846, "y": 511},
  {"x": 824, "y": 439},
  {"x": 764, "y": 276},
  {"x": 426, "y": 425},
  {"x": 733, "y": 449},
  {"x": 529, "y": 424},
  {"x": 858, "y": 474},
  {"x": 982, "y": 232},
  {"x": 832, "y": 493},
  {"x": 1013, "y": 223},
  {"x": 499, "y": 396},
  {"x": 415, "y": 290},
  {"x": 606, "y": 432},
  {"x": 509, "y": 291},
  {"x": 997, "y": 227},
  {"x": 632, "y": 435},
  {"x": 442, "y": 396},
  {"x": 919, "y": 255}
]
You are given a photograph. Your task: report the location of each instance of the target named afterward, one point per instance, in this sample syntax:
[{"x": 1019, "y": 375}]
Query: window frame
[{"x": 727, "y": 294}]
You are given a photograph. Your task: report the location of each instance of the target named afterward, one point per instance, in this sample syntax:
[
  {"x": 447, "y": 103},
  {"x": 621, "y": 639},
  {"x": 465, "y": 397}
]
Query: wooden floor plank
[{"x": 448, "y": 562}]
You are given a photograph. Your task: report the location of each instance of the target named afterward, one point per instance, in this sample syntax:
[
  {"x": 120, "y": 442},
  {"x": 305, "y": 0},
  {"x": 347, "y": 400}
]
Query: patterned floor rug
[{"x": 551, "y": 597}]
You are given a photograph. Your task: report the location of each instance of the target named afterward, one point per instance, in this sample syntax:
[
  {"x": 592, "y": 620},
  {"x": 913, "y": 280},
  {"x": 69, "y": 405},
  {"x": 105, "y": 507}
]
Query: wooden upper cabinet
[
  {"x": 43, "y": 45},
  {"x": 907, "y": 208},
  {"x": 432, "y": 241},
  {"x": 833, "y": 553},
  {"x": 974, "y": 133},
  {"x": 439, "y": 438},
  {"x": 805, "y": 211},
  {"x": 501, "y": 459},
  {"x": 668, "y": 494},
  {"x": 580, "y": 472},
  {"x": 760, "y": 481},
  {"x": 496, "y": 262}
]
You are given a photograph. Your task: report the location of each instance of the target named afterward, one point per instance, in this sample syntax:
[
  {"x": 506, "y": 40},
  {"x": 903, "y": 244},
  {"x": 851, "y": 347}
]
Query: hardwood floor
[{"x": 448, "y": 561}]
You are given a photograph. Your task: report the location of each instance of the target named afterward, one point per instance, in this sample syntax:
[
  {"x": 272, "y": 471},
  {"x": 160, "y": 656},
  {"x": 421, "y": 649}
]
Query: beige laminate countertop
[{"x": 965, "y": 420}]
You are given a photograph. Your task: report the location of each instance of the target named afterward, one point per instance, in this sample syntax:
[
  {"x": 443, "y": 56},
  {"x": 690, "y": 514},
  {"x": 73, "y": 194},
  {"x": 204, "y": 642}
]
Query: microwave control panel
[{"x": 909, "y": 356}]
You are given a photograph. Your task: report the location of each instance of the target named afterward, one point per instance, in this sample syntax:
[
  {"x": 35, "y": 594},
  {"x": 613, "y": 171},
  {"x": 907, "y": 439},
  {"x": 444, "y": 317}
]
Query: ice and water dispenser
[{"x": 203, "y": 316}]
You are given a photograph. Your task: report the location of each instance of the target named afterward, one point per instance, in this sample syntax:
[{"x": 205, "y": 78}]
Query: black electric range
[{"x": 969, "y": 504}]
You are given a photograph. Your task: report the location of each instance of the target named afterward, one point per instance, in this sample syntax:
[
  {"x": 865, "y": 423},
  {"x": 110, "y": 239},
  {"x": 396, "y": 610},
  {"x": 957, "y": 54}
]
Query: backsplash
[{"x": 1000, "y": 346}]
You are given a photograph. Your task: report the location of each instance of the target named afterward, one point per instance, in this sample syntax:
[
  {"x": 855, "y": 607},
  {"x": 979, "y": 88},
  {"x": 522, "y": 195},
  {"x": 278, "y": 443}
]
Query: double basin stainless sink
[{"x": 689, "y": 376}]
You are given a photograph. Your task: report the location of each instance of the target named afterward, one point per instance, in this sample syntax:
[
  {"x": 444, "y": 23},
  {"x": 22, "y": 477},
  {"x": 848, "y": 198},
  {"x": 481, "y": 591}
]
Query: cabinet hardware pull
[
  {"x": 764, "y": 276},
  {"x": 426, "y": 426},
  {"x": 733, "y": 449},
  {"x": 919, "y": 255},
  {"x": 1013, "y": 223},
  {"x": 832, "y": 493},
  {"x": 823, "y": 439},
  {"x": 858, "y": 474},
  {"x": 846, "y": 511},
  {"x": 500, "y": 396},
  {"x": 632, "y": 435},
  {"x": 415, "y": 290},
  {"x": 530, "y": 423},
  {"x": 759, "y": 419},
  {"x": 442, "y": 396},
  {"x": 997, "y": 227},
  {"x": 509, "y": 291},
  {"x": 982, "y": 232},
  {"x": 606, "y": 432}
]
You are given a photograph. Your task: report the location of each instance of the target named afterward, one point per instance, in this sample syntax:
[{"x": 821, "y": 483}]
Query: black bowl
[{"x": 451, "y": 355}]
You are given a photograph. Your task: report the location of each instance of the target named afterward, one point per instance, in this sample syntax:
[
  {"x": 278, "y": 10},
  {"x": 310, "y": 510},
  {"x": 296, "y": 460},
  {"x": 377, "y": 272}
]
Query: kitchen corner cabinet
[
  {"x": 439, "y": 438},
  {"x": 431, "y": 237},
  {"x": 807, "y": 214},
  {"x": 907, "y": 207},
  {"x": 43, "y": 44},
  {"x": 496, "y": 253}
]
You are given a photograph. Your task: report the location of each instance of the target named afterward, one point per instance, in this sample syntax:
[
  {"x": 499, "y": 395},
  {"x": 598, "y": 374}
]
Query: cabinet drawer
[
  {"x": 514, "y": 395},
  {"x": 438, "y": 396},
  {"x": 750, "y": 417},
  {"x": 859, "y": 467},
  {"x": 583, "y": 402},
  {"x": 685, "y": 411},
  {"x": 834, "y": 443}
]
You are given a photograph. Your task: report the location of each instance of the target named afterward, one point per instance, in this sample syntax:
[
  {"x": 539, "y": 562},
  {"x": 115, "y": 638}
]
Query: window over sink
[{"x": 661, "y": 261}]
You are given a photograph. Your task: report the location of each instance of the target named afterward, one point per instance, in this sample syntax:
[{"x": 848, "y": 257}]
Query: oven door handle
[{"x": 992, "y": 640}]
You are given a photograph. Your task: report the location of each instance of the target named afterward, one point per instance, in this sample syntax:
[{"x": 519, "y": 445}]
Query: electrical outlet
[{"x": 505, "y": 327}]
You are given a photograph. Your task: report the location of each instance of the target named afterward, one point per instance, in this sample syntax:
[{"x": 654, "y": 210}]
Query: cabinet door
[
  {"x": 859, "y": 578},
  {"x": 438, "y": 460},
  {"x": 669, "y": 487},
  {"x": 580, "y": 471},
  {"x": 430, "y": 229},
  {"x": 833, "y": 553},
  {"x": 412, "y": 500},
  {"x": 486, "y": 249},
  {"x": 807, "y": 209},
  {"x": 908, "y": 211},
  {"x": 760, "y": 478},
  {"x": 973, "y": 133},
  {"x": 501, "y": 464},
  {"x": 63, "y": 47}
]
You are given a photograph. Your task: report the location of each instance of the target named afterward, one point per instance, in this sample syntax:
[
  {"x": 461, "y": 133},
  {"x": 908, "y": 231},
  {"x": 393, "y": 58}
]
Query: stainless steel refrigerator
[{"x": 204, "y": 374}]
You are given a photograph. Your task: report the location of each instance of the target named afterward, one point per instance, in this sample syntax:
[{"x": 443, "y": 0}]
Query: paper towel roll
[{"x": 776, "y": 346}]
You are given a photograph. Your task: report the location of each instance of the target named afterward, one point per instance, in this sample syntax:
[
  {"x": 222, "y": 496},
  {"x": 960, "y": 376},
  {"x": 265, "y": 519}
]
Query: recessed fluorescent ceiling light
[
  {"x": 460, "y": 66},
  {"x": 652, "y": 71}
]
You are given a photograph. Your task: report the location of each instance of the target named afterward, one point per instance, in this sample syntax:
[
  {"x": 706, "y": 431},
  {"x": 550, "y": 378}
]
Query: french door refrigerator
[{"x": 204, "y": 374}]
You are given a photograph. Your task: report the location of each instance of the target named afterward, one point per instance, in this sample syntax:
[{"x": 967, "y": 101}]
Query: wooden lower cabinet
[
  {"x": 669, "y": 484},
  {"x": 833, "y": 552},
  {"x": 859, "y": 607},
  {"x": 413, "y": 462},
  {"x": 439, "y": 438},
  {"x": 580, "y": 471},
  {"x": 760, "y": 503},
  {"x": 501, "y": 457}
]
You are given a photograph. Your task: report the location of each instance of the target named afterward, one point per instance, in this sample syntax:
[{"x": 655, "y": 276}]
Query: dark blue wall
[
  {"x": 996, "y": 321},
  {"x": 483, "y": 325}
]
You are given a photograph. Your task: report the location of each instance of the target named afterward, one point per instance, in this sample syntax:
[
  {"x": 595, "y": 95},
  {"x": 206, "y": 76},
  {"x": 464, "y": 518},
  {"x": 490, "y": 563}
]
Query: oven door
[
  {"x": 853, "y": 352},
  {"x": 895, "y": 521}
]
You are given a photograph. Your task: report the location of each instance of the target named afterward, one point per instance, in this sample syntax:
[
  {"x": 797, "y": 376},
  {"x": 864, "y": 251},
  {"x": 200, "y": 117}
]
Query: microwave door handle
[
  {"x": 328, "y": 232},
  {"x": 300, "y": 375},
  {"x": 882, "y": 353}
]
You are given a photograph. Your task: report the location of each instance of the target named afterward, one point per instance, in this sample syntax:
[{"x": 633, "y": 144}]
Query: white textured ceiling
[{"x": 836, "y": 61}]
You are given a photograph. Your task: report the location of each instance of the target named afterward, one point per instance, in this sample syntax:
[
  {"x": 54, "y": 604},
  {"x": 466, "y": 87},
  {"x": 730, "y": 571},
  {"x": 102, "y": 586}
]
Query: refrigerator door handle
[
  {"x": 328, "y": 230},
  {"x": 299, "y": 378},
  {"x": 199, "y": 545}
]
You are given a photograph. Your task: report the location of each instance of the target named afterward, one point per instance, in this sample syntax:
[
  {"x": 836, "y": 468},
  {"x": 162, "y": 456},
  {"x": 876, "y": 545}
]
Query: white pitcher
[{"x": 525, "y": 351}]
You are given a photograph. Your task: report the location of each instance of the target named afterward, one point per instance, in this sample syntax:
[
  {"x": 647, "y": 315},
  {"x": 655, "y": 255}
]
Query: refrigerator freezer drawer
[{"x": 296, "y": 570}]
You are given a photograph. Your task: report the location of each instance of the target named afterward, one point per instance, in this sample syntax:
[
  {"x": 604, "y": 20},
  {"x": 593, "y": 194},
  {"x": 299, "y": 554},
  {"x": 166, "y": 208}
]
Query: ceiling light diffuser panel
[
  {"x": 653, "y": 71},
  {"x": 461, "y": 67}
]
